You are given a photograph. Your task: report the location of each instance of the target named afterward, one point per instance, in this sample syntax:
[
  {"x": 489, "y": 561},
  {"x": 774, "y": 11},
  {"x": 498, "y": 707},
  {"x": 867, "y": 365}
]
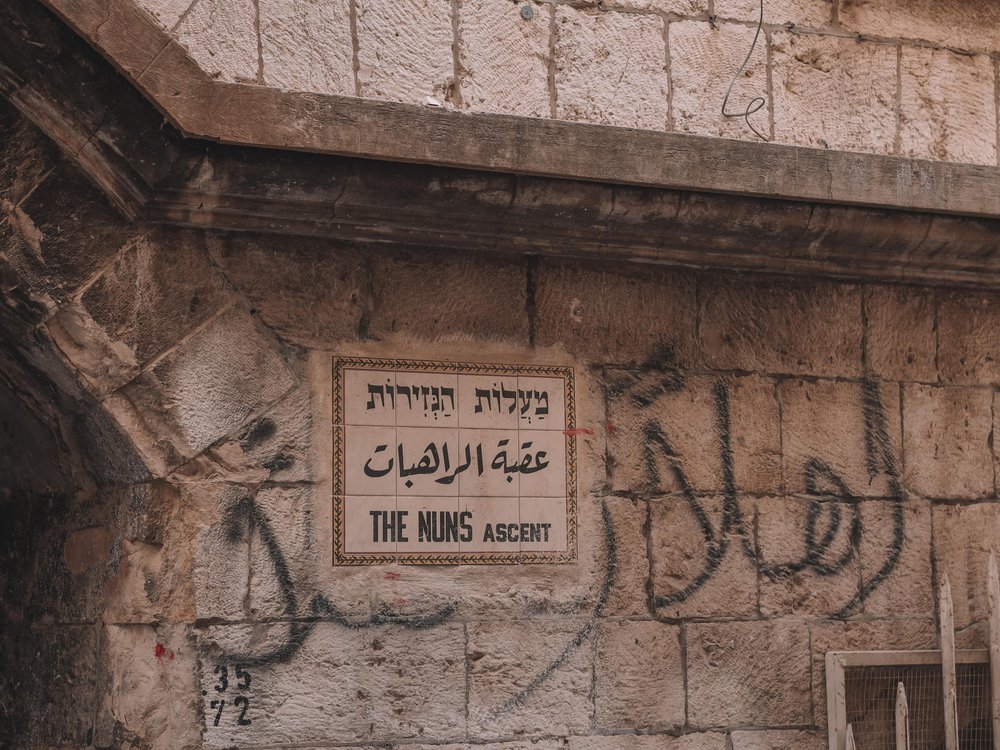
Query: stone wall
[
  {"x": 917, "y": 79},
  {"x": 770, "y": 468}
]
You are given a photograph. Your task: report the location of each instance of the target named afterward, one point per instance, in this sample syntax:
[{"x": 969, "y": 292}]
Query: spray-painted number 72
[{"x": 222, "y": 672}]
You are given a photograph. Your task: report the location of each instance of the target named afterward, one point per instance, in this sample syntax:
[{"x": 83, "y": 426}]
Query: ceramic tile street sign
[{"x": 452, "y": 463}]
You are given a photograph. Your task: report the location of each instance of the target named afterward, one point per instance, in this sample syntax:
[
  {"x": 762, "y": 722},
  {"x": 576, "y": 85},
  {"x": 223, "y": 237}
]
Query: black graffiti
[
  {"x": 610, "y": 571},
  {"x": 824, "y": 520},
  {"x": 246, "y": 515}
]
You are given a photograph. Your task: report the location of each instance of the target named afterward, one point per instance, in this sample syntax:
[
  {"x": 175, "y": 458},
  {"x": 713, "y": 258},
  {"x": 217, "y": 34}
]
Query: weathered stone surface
[
  {"x": 639, "y": 677},
  {"x": 948, "y": 108},
  {"x": 458, "y": 298},
  {"x": 157, "y": 291},
  {"x": 506, "y": 659},
  {"x": 964, "y": 535},
  {"x": 307, "y": 46},
  {"x": 906, "y": 589},
  {"x": 776, "y": 739},
  {"x": 405, "y": 51},
  {"x": 66, "y": 233},
  {"x": 55, "y": 671},
  {"x": 166, "y": 12},
  {"x": 596, "y": 83},
  {"x": 834, "y": 92},
  {"x": 947, "y": 441},
  {"x": 901, "y": 333},
  {"x": 825, "y": 438},
  {"x": 951, "y": 23},
  {"x": 779, "y": 326},
  {"x": 969, "y": 351},
  {"x": 309, "y": 293},
  {"x": 280, "y": 440},
  {"x": 152, "y": 687},
  {"x": 366, "y": 685},
  {"x": 704, "y": 58},
  {"x": 504, "y": 58},
  {"x": 873, "y": 635},
  {"x": 25, "y": 156},
  {"x": 686, "y": 411},
  {"x": 290, "y": 533},
  {"x": 616, "y": 316},
  {"x": 203, "y": 390},
  {"x": 696, "y": 741},
  {"x": 808, "y": 13},
  {"x": 791, "y": 582},
  {"x": 680, "y": 553},
  {"x": 753, "y": 673},
  {"x": 628, "y": 597},
  {"x": 220, "y": 36}
]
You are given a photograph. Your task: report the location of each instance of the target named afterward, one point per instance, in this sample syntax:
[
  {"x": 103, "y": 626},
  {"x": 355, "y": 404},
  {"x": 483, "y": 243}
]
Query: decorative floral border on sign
[{"x": 344, "y": 558}]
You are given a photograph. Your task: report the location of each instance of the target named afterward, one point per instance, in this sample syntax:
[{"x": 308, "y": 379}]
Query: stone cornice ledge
[
  {"x": 257, "y": 116},
  {"x": 153, "y": 173}
]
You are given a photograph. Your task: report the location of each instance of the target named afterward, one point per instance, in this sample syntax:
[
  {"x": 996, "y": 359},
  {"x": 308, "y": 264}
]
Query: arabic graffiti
[
  {"x": 824, "y": 520},
  {"x": 245, "y": 518}
]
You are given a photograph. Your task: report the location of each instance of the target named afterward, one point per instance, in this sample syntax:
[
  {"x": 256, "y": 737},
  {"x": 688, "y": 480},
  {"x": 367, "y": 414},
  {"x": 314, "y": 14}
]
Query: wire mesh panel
[{"x": 870, "y": 697}]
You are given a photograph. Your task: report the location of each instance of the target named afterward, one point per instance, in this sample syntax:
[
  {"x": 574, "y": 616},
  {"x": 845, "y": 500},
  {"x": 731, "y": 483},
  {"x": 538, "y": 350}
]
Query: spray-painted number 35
[{"x": 243, "y": 677}]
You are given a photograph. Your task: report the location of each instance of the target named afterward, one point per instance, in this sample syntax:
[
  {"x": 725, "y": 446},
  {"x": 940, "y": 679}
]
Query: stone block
[
  {"x": 968, "y": 350},
  {"x": 871, "y": 635},
  {"x": 66, "y": 232},
  {"x": 755, "y": 673},
  {"x": 56, "y": 692},
  {"x": 949, "y": 23},
  {"x": 694, "y": 741},
  {"x": 405, "y": 52},
  {"x": 365, "y": 684},
  {"x": 704, "y": 58},
  {"x": 964, "y": 535},
  {"x": 619, "y": 316},
  {"x": 506, "y": 662},
  {"x": 280, "y": 440},
  {"x": 220, "y": 36},
  {"x": 685, "y": 581},
  {"x": 152, "y": 684},
  {"x": 897, "y": 569},
  {"x": 779, "y": 739},
  {"x": 808, "y": 13},
  {"x": 834, "y": 92},
  {"x": 202, "y": 391},
  {"x": 826, "y": 446},
  {"x": 154, "y": 293},
  {"x": 795, "y": 577},
  {"x": 778, "y": 326},
  {"x": 25, "y": 156},
  {"x": 687, "y": 415},
  {"x": 948, "y": 109},
  {"x": 307, "y": 46},
  {"x": 639, "y": 677},
  {"x": 307, "y": 292},
  {"x": 596, "y": 82},
  {"x": 504, "y": 58},
  {"x": 947, "y": 435},
  {"x": 628, "y": 596},
  {"x": 458, "y": 297},
  {"x": 901, "y": 333},
  {"x": 166, "y": 12}
]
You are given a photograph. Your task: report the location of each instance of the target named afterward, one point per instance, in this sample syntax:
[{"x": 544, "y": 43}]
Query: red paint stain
[
  {"x": 158, "y": 652},
  {"x": 611, "y": 427},
  {"x": 578, "y": 431},
  {"x": 391, "y": 576},
  {"x": 171, "y": 657}
]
